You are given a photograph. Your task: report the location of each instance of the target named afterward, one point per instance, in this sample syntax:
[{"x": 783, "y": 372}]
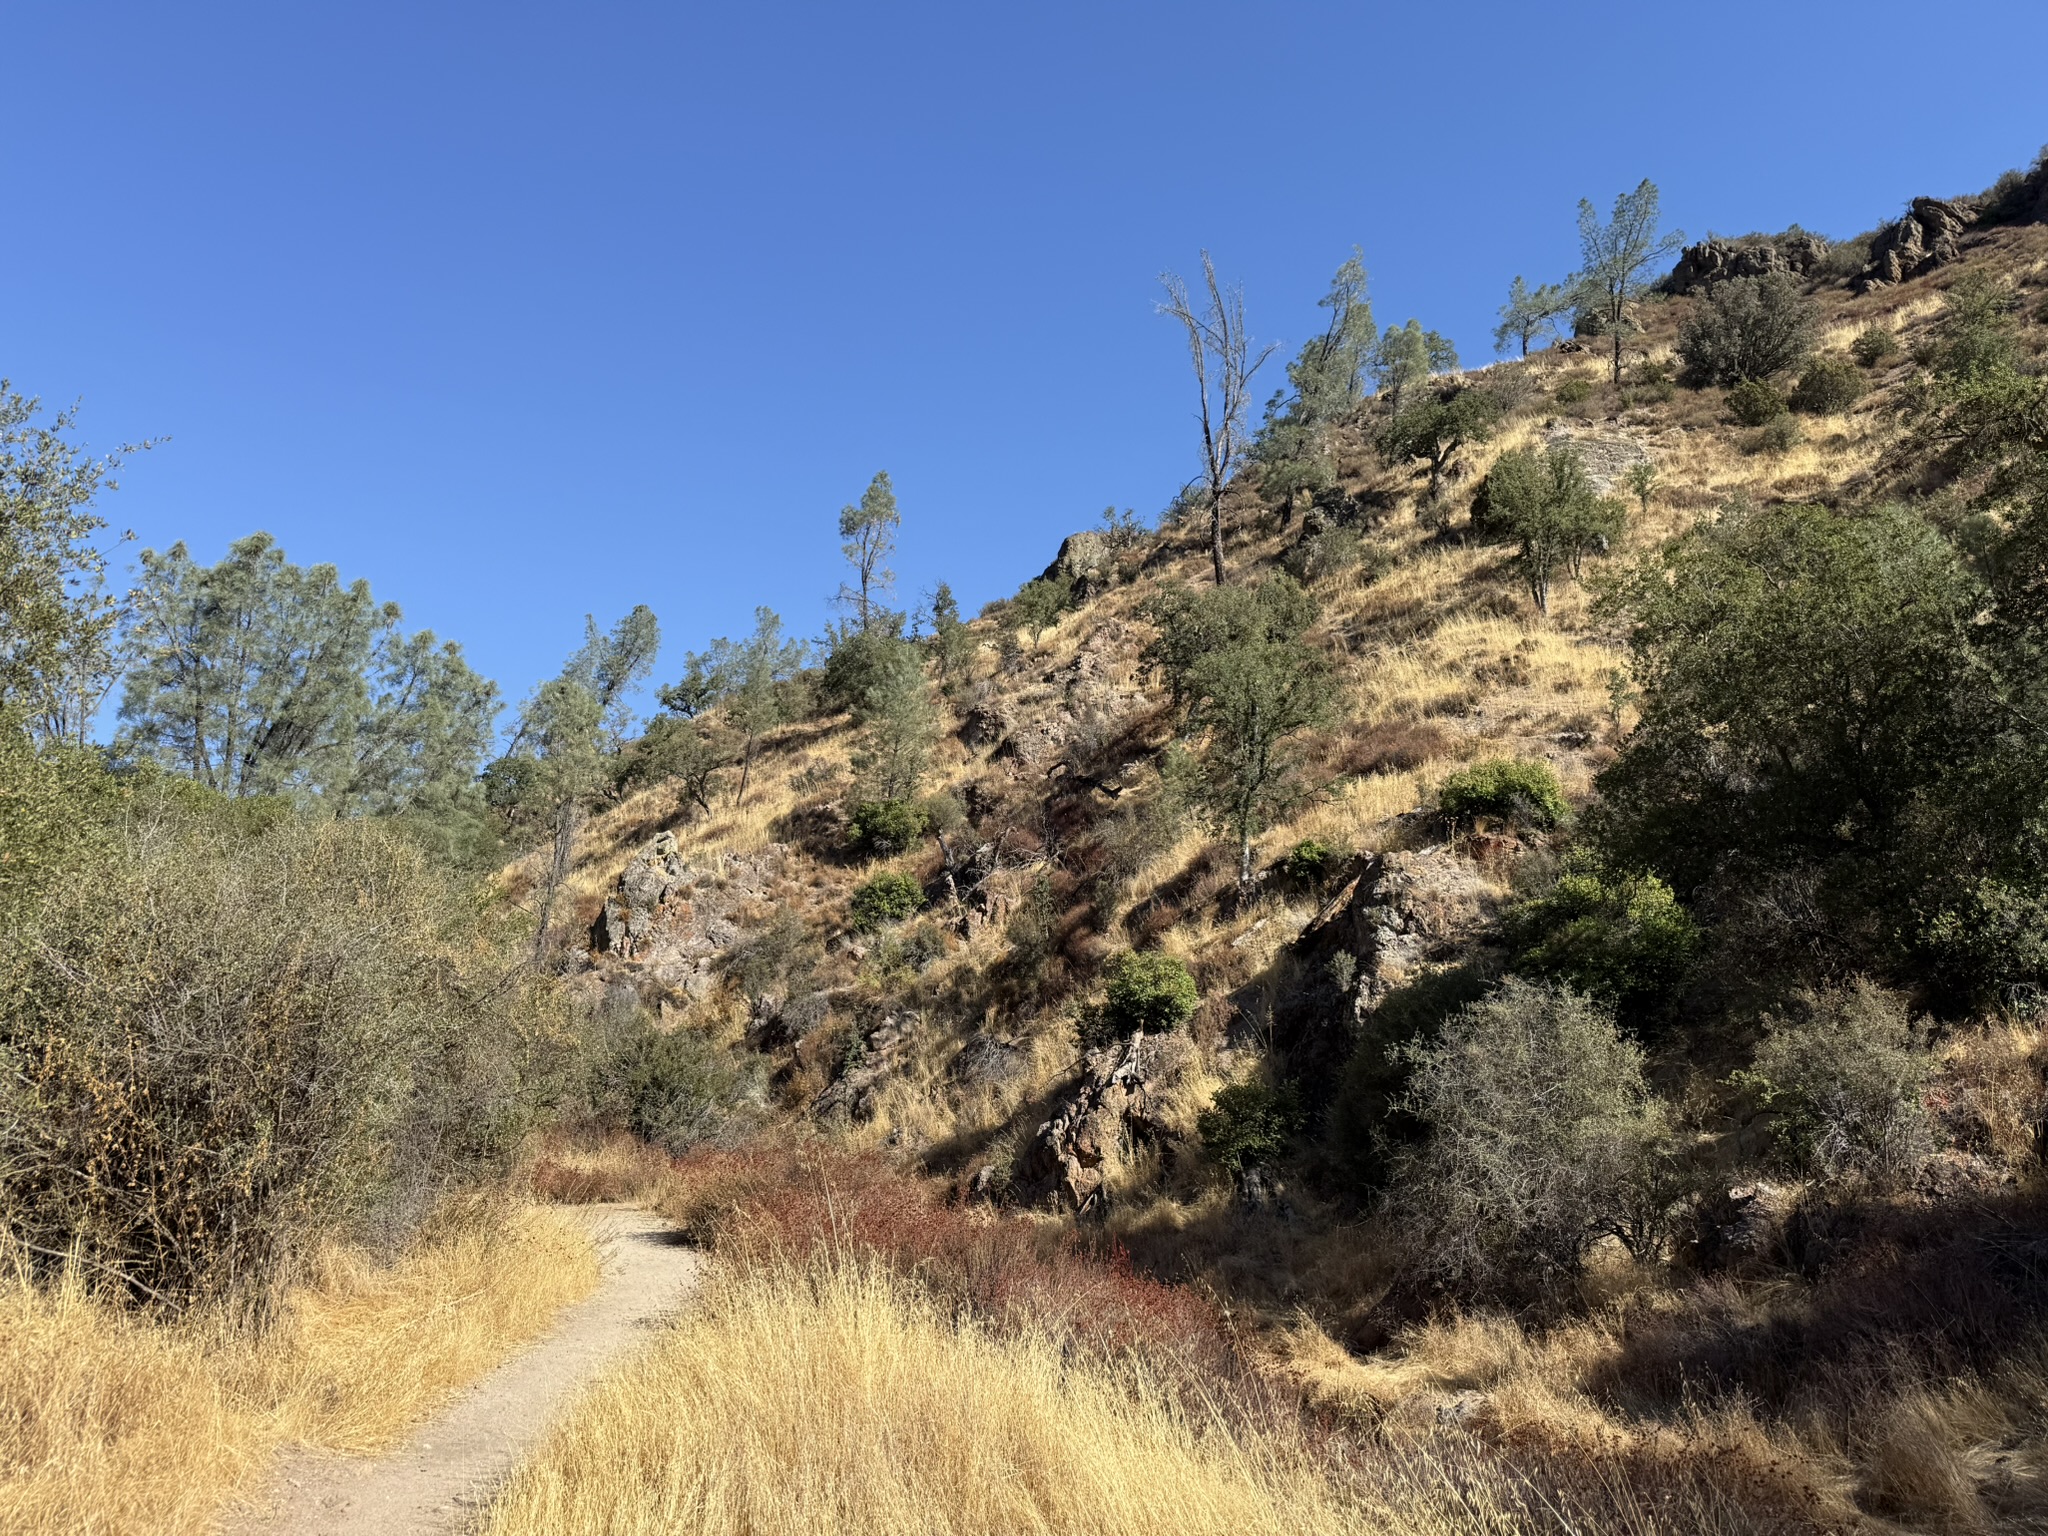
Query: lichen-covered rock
[
  {"x": 672, "y": 921},
  {"x": 855, "y": 1091},
  {"x": 1072, "y": 1154},
  {"x": 1607, "y": 455},
  {"x": 1929, "y": 236},
  {"x": 1716, "y": 259},
  {"x": 1085, "y": 559}
]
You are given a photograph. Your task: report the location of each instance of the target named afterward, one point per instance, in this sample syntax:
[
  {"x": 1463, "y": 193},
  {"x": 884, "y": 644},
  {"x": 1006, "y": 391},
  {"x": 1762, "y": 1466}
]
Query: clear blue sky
[{"x": 529, "y": 312}]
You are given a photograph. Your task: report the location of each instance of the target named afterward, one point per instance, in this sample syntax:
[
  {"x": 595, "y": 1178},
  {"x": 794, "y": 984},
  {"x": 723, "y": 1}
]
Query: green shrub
[
  {"x": 1753, "y": 402},
  {"x": 880, "y": 828},
  {"x": 1623, "y": 938},
  {"x": 1575, "y": 390},
  {"x": 683, "y": 1088},
  {"x": 1369, "y": 1120},
  {"x": 1542, "y": 1137},
  {"x": 223, "y": 1045},
  {"x": 1829, "y": 385},
  {"x": 888, "y": 898},
  {"x": 1309, "y": 863},
  {"x": 1844, "y": 1078},
  {"x": 1526, "y": 793},
  {"x": 1042, "y": 600},
  {"x": 1874, "y": 344},
  {"x": 1781, "y": 434},
  {"x": 1248, "y": 1123},
  {"x": 1747, "y": 328},
  {"x": 1148, "y": 991}
]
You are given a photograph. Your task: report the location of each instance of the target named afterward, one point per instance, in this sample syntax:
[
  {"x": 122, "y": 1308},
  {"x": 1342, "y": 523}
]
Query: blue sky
[{"x": 527, "y": 312}]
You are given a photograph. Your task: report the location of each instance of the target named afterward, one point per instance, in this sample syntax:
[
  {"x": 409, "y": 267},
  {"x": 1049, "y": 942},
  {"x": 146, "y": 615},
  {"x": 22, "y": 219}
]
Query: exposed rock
[
  {"x": 1929, "y": 236},
  {"x": 672, "y": 920},
  {"x": 1405, "y": 913},
  {"x": 1716, "y": 260},
  {"x": 1086, "y": 559},
  {"x": 1607, "y": 456},
  {"x": 984, "y": 726},
  {"x": 1745, "y": 1222},
  {"x": 1112, "y": 1105},
  {"x": 855, "y": 1092}
]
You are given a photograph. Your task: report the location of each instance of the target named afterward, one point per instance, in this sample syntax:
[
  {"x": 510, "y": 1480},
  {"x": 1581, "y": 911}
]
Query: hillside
[{"x": 964, "y": 1042}]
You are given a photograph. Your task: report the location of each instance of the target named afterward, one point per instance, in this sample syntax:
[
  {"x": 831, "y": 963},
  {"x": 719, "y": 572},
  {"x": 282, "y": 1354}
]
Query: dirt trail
[{"x": 442, "y": 1476}]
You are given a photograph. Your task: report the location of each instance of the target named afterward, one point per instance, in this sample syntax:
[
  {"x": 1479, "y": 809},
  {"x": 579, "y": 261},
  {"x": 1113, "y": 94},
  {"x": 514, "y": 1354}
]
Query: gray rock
[
  {"x": 1716, "y": 260},
  {"x": 1929, "y": 236}
]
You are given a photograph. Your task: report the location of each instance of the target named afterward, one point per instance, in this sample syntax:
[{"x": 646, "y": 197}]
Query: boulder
[
  {"x": 1929, "y": 236},
  {"x": 1070, "y": 1156},
  {"x": 1607, "y": 455},
  {"x": 1086, "y": 559},
  {"x": 672, "y": 921},
  {"x": 1716, "y": 260},
  {"x": 855, "y": 1092}
]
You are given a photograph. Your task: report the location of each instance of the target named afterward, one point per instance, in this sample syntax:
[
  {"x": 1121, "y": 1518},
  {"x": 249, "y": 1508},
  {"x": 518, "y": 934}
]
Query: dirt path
[{"x": 441, "y": 1477}]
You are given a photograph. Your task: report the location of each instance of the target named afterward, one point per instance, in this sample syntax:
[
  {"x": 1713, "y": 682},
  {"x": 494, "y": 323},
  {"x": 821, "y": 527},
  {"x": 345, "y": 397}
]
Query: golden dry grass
[
  {"x": 834, "y": 1398},
  {"x": 113, "y": 1423}
]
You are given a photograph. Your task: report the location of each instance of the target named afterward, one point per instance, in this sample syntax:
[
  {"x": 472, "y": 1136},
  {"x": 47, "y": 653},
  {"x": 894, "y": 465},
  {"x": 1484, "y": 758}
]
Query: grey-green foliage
[
  {"x": 952, "y": 643},
  {"x": 57, "y": 622},
  {"x": 256, "y": 676},
  {"x": 1404, "y": 356},
  {"x": 609, "y": 664},
  {"x": 1616, "y": 257},
  {"x": 1328, "y": 376},
  {"x": 1547, "y": 508},
  {"x": 1844, "y": 1078},
  {"x": 227, "y": 1041},
  {"x": 753, "y": 682},
  {"x": 1748, "y": 328},
  {"x": 1193, "y": 624},
  {"x": 1541, "y": 1136},
  {"x": 869, "y": 534},
  {"x": 1528, "y": 313}
]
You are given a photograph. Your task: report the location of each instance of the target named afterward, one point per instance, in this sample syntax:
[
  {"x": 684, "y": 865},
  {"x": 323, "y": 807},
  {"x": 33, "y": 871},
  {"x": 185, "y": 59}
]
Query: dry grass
[
  {"x": 113, "y": 1423},
  {"x": 833, "y": 1396}
]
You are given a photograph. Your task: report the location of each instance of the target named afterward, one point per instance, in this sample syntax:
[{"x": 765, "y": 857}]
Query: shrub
[
  {"x": 1575, "y": 390},
  {"x": 888, "y": 898},
  {"x": 1248, "y": 1123},
  {"x": 1522, "y": 792},
  {"x": 1542, "y": 1137},
  {"x": 222, "y": 1045},
  {"x": 681, "y": 1088},
  {"x": 1829, "y": 385},
  {"x": 880, "y": 828},
  {"x": 1623, "y": 938},
  {"x": 1747, "y": 328},
  {"x": 1874, "y": 344},
  {"x": 1843, "y": 1078},
  {"x": 1309, "y": 863},
  {"x": 1753, "y": 403},
  {"x": 1369, "y": 1119},
  {"x": 1781, "y": 434},
  {"x": 1042, "y": 600},
  {"x": 1148, "y": 991}
]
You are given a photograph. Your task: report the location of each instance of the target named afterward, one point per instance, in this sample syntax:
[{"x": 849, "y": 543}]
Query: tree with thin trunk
[
  {"x": 1221, "y": 352},
  {"x": 1616, "y": 254},
  {"x": 1528, "y": 313},
  {"x": 869, "y": 531},
  {"x": 748, "y": 680}
]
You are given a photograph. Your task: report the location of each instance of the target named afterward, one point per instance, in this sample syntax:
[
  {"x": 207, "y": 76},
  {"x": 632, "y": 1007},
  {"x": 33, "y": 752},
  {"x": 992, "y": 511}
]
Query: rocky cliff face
[
  {"x": 1716, "y": 260},
  {"x": 1929, "y": 236},
  {"x": 672, "y": 920}
]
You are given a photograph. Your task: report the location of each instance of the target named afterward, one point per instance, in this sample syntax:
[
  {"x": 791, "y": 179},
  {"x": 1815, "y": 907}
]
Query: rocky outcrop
[
  {"x": 1071, "y": 1155},
  {"x": 1929, "y": 236},
  {"x": 1086, "y": 559},
  {"x": 1607, "y": 456},
  {"x": 1406, "y": 914},
  {"x": 854, "y": 1092},
  {"x": 1715, "y": 260},
  {"x": 671, "y": 921}
]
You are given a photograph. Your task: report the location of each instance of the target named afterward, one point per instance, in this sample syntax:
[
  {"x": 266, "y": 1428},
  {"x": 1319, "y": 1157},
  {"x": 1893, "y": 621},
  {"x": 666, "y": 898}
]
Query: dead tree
[{"x": 1221, "y": 352}]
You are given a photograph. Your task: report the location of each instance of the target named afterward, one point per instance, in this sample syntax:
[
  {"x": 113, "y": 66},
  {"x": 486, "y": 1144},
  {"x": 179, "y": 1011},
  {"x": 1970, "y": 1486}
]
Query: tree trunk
[
  {"x": 1244, "y": 863},
  {"x": 1216, "y": 535},
  {"x": 746, "y": 771},
  {"x": 568, "y": 817},
  {"x": 1617, "y": 343}
]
